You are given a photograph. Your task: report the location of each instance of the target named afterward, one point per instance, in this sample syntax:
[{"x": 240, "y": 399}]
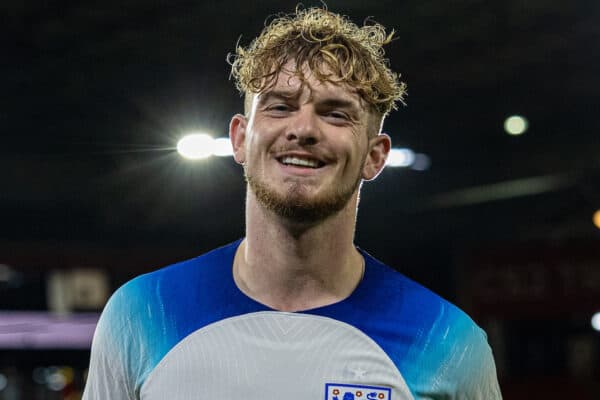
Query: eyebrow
[
  {"x": 339, "y": 103},
  {"x": 332, "y": 102},
  {"x": 278, "y": 95}
]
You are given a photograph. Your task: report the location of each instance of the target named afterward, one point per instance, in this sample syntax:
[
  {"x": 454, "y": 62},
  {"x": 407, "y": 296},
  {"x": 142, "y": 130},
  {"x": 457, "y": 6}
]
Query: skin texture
[{"x": 299, "y": 252}]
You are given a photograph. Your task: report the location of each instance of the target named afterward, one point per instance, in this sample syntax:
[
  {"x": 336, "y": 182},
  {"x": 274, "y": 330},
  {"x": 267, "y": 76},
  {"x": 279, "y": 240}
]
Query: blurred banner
[{"x": 531, "y": 280}]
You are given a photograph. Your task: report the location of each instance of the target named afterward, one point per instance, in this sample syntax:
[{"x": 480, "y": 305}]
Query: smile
[{"x": 301, "y": 162}]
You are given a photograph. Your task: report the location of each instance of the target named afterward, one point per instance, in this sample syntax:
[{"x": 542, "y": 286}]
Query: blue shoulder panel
[
  {"x": 149, "y": 315},
  {"x": 434, "y": 344}
]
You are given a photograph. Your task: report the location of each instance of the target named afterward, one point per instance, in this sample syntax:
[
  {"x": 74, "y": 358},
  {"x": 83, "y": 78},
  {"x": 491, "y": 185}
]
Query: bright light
[
  {"x": 400, "y": 158},
  {"x": 222, "y": 147},
  {"x": 196, "y": 146},
  {"x": 55, "y": 380},
  {"x": 596, "y": 321},
  {"x": 422, "y": 162},
  {"x": 515, "y": 125},
  {"x": 596, "y": 219}
]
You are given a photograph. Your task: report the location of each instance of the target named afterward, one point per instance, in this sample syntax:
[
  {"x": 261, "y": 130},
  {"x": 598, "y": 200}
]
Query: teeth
[{"x": 303, "y": 162}]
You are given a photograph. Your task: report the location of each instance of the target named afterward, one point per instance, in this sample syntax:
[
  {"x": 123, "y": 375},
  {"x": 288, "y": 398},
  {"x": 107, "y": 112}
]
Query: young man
[{"x": 294, "y": 310}]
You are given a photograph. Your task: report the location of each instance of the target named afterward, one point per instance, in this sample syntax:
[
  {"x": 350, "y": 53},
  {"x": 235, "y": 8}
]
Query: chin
[{"x": 297, "y": 205}]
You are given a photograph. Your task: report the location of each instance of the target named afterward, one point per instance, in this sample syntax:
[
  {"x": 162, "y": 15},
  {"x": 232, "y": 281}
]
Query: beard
[{"x": 296, "y": 204}]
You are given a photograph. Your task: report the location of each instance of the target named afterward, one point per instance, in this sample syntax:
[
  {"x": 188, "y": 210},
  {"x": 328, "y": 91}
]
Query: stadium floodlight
[
  {"x": 422, "y": 162},
  {"x": 400, "y": 157},
  {"x": 596, "y": 321},
  {"x": 515, "y": 125},
  {"x": 222, "y": 147},
  {"x": 196, "y": 146}
]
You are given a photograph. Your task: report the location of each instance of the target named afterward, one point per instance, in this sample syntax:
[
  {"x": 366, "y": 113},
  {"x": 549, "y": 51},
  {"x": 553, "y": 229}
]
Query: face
[{"x": 305, "y": 147}]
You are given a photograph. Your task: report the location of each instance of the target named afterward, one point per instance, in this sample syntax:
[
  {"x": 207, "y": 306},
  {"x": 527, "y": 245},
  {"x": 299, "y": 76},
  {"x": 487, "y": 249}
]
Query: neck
[{"x": 291, "y": 266}]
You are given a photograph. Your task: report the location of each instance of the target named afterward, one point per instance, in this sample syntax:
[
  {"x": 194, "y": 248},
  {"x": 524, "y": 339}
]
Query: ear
[
  {"x": 237, "y": 135},
  {"x": 379, "y": 148}
]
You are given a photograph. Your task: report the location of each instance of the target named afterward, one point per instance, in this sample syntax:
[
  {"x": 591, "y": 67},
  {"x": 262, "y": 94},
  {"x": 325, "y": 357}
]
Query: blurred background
[{"x": 492, "y": 198}]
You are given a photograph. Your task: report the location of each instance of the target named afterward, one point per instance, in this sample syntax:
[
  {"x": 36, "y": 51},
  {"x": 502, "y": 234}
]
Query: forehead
[{"x": 304, "y": 84}]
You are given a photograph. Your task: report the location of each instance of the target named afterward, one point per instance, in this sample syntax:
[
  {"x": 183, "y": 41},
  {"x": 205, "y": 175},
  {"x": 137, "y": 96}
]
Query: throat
[{"x": 296, "y": 287}]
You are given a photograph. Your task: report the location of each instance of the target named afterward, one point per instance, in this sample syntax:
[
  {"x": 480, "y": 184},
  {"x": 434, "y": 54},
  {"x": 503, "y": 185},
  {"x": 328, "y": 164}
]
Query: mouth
[{"x": 302, "y": 162}]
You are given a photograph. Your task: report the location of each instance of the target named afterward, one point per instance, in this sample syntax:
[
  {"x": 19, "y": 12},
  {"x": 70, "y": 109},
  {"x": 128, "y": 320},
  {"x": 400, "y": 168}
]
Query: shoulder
[
  {"x": 147, "y": 297},
  {"x": 172, "y": 280},
  {"x": 416, "y": 305},
  {"x": 444, "y": 347},
  {"x": 404, "y": 296},
  {"x": 197, "y": 267},
  {"x": 148, "y": 315}
]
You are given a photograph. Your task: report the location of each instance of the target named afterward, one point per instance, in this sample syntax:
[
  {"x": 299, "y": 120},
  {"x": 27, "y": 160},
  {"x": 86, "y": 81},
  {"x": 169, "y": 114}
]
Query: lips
[{"x": 301, "y": 161}]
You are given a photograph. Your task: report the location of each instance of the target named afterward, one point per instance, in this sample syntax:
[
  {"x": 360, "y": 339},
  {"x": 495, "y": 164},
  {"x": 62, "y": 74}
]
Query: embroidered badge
[{"x": 340, "y": 391}]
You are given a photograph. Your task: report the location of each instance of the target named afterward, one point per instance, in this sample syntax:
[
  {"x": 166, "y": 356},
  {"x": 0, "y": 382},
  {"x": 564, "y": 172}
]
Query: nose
[{"x": 304, "y": 127}]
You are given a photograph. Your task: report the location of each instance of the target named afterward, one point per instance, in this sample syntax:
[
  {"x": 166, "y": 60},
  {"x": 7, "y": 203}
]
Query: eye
[
  {"x": 338, "y": 114},
  {"x": 279, "y": 107},
  {"x": 278, "y": 110}
]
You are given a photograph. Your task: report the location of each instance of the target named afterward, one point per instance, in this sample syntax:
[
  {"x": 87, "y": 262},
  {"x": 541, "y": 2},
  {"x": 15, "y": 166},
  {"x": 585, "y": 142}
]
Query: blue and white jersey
[{"x": 187, "y": 332}]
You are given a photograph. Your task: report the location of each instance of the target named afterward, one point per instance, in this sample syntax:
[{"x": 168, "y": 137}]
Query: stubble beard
[{"x": 295, "y": 204}]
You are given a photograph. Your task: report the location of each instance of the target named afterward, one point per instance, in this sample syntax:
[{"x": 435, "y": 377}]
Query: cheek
[
  {"x": 264, "y": 136},
  {"x": 254, "y": 142},
  {"x": 258, "y": 148},
  {"x": 358, "y": 151}
]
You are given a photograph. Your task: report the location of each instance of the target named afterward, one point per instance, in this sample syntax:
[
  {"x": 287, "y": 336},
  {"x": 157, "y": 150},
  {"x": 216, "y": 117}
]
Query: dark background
[{"x": 95, "y": 95}]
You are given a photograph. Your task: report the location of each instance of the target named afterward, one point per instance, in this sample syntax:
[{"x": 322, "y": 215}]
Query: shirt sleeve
[
  {"x": 108, "y": 376},
  {"x": 456, "y": 363},
  {"x": 469, "y": 370},
  {"x": 477, "y": 379}
]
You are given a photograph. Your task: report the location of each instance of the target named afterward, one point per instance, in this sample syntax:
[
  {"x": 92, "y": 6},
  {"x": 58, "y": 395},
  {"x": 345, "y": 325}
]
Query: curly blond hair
[{"x": 334, "y": 49}]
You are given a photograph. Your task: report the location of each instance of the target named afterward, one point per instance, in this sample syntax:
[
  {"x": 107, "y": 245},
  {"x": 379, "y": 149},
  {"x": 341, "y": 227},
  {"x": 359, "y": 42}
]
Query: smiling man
[
  {"x": 295, "y": 310},
  {"x": 314, "y": 139}
]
